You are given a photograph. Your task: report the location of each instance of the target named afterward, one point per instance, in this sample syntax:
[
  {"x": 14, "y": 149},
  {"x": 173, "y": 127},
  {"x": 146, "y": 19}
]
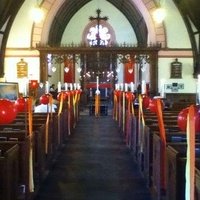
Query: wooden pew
[
  {"x": 197, "y": 181},
  {"x": 145, "y": 153},
  {"x": 175, "y": 169},
  {"x": 9, "y": 171},
  {"x": 23, "y": 141},
  {"x": 16, "y": 133},
  {"x": 171, "y": 139}
]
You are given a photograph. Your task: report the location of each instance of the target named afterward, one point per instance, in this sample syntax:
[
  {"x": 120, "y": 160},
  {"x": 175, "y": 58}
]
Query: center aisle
[{"x": 94, "y": 165}]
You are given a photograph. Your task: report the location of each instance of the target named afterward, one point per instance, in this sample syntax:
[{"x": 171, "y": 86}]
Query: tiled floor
[{"x": 94, "y": 165}]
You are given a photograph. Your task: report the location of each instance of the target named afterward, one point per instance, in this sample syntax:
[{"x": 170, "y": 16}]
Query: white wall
[
  {"x": 177, "y": 37},
  {"x": 187, "y": 74},
  {"x": 20, "y": 34},
  {"x": 121, "y": 26}
]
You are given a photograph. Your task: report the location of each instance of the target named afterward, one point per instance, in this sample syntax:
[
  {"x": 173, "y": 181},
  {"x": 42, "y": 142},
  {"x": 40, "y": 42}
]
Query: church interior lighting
[
  {"x": 160, "y": 13},
  {"x": 37, "y": 14}
]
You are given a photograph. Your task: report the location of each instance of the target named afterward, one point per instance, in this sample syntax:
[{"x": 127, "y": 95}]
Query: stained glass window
[{"x": 98, "y": 36}]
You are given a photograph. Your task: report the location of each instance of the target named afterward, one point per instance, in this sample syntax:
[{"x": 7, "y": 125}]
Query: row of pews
[
  {"x": 162, "y": 165},
  {"x": 26, "y": 158}
]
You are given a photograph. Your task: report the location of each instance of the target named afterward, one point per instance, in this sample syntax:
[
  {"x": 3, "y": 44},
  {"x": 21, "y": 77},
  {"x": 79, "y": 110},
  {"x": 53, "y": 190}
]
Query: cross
[
  {"x": 98, "y": 18},
  {"x": 98, "y": 73}
]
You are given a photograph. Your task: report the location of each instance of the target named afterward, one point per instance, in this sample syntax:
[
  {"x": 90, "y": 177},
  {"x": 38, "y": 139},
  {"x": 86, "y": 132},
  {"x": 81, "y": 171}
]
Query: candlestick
[
  {"x": 126, "y": 87},
  {"x": 78, "y": 86},
  {"x": 132, "y": 87},
  {"x": 97, "y": 82},
  {"x": 143, "y": 87},
  {"x": 47, "y": 87},
  {"x": 162, "y": 88},
  {"x": 97, "y": 91},
  {"x": 26, "y": 87},
  {"x": 106, "y": 92},
  {"x": 66, "y": 86},
  {"x": 71, "y": 86},
  {"x": 59, "y": 86},
  {"x": 90, "y": 92}
]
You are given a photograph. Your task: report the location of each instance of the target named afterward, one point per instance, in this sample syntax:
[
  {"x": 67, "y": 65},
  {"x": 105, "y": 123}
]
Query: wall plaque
[
  {"x": 176, "y": 69},
  {"x": 22, "y": 69}
]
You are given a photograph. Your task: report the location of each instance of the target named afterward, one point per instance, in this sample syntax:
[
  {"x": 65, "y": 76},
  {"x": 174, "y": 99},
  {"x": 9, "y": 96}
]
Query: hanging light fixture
[
  {"x": 159, "y": 14},
  {"x": 53, "y": 69},
  {"x": 78, "y": 69},
  {"x": 37, "y": 14}
]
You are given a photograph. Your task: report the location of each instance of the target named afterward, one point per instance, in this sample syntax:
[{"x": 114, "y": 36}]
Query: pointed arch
[{"x": 59, "y": 13}]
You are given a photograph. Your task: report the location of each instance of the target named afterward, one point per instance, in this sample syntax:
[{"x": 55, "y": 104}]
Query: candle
[
  {"x": 143, "y": 87},
  {"x": 90, "y": 92},
  {"x": 78, "y": 86},
  {"x": 71, "y": 86},
  {"x": 59, "y": 86},
  {"x": 162, "y": 88},
  {"x": 75, "y": 86},
  {"x": 66, "y": 86},
  {"x": 106, "y": 92},
  {"x": 132, "y": 87},
  {"x": 97, "y": 91},
  {"x": 25, "y": 87},
  {"x": 97, "y": 83},
  {"x": 47, "y": 87},
  {"x": 126, "y": 87}
]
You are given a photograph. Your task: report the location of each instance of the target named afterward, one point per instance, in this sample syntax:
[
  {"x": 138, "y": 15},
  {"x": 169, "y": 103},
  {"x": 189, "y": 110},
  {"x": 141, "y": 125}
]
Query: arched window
[{"x": 102, "y": 35}]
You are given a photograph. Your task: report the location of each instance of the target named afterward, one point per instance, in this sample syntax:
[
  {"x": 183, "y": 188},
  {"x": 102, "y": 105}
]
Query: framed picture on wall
[
  {"x": 9, "y": 90},
  {"x": 176, "y": 69}
]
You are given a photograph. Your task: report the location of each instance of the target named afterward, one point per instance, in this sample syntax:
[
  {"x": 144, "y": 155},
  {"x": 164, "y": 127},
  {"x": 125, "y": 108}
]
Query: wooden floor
[{"x": 94, "y": 164}]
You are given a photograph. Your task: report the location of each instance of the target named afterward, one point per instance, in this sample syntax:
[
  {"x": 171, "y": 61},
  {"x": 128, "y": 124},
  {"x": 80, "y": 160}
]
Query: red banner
[
  {"x": 129, "y": 72},
  {"x": 69, "y": 76}
]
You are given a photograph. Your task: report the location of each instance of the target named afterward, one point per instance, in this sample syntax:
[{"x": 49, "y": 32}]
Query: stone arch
[{"x": 40, "y": 31}]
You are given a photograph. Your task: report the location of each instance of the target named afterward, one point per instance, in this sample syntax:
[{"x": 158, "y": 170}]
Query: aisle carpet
[{"x": 94, "y": 165}]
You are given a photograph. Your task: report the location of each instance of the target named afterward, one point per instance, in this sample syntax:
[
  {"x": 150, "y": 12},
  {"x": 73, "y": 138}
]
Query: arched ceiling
[{"x": 70, "y": 7}]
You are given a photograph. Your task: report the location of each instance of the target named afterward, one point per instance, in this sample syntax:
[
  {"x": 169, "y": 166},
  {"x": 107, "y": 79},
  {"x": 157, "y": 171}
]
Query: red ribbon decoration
[{"x": 163, "y": 141}]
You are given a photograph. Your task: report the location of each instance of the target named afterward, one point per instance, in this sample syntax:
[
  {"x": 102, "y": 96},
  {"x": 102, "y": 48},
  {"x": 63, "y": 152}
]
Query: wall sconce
[
  {"x": 37, "y": 14},
  {"x": 159, "y": 14}
]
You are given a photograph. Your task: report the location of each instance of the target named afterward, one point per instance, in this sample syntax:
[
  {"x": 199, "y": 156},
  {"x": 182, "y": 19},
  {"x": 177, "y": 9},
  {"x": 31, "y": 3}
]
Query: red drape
[
  {"x": 69, "y": 77},
  {"x": 129, "y": 77}
]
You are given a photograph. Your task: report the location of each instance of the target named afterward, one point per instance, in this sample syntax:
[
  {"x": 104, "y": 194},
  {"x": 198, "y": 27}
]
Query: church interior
[{"x": 99, "y": 99}]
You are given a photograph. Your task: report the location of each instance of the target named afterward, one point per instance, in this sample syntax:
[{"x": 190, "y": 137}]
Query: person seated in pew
[{"x": 42, "y": 108}]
